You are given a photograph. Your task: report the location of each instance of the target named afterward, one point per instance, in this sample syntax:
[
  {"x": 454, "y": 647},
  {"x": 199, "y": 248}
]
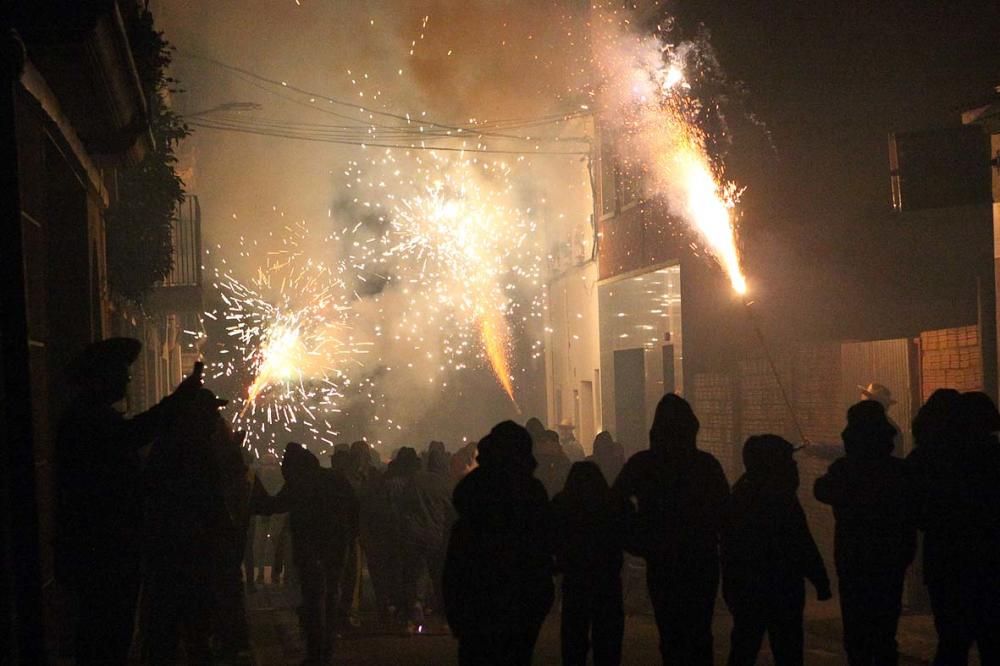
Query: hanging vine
[{"x": 139, "y": 221}]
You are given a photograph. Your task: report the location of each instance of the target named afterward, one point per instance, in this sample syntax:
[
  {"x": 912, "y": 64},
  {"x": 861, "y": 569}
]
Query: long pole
[{"x": 774, "y": 370}]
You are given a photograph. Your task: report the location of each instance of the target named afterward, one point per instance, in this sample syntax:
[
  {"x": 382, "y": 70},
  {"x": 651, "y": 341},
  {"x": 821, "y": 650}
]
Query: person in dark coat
[
  {"x": 405, "y": 565},
  {"x": 99, "y": 496},
  {"x": 589, "y": 527},
  {"x": 498, "y": 570},
  {"x": 679, "y": 492},
  {"x": 358, "y": 470},
  {"x": 553, "y": 463},
  {"x": 186, "y": 518},
  {"x": 875, "y": 537},
  {"x": 322, "y": 513},
  {"x": 957, "y": 465},
  {"x": 767, "y": 551},
  {"x": 608, "y": 454},
  {"x": 426, "y": 517}
]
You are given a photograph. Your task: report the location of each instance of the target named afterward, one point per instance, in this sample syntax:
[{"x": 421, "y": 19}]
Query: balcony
[{"x": 181, "y": 291}]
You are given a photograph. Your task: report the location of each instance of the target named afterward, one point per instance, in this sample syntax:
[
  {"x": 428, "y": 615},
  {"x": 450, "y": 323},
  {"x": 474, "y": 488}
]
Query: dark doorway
[{"x": 630, "y": 399}]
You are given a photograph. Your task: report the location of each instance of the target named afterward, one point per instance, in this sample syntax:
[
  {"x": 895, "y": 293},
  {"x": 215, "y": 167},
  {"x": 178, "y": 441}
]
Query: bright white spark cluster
[{"x": 290, "y": 340}]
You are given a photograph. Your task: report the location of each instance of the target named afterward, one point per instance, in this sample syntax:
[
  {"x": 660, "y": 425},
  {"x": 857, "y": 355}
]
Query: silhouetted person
[
  {"x": 767, "y": 553},
  {"x": 322, "y": 512},
  {"x": 957, "y": 465},
  {"x": 426, "y": 517},
  {"x": 589, "y": 527},
  {"x": 553, "y": 464},
  {"x": 498, "y": 573},
  {"x": 358, "y": 469},
  {"x": 875, "y": 538},
  {"x": 186, "y": 517},
  {"x": 535, "y": 428},
  {"x": 404, "y": 563},
  {"x": 679, "y": 492},
  {"x": 269, "y": 529},
  {"x": 379, "y": 535},
  {"x": 883, "y": 396},
  {"x": 99, "y": 500},
  {"x": 608, "y": 454},
  {"x": 567, "y": 439}
]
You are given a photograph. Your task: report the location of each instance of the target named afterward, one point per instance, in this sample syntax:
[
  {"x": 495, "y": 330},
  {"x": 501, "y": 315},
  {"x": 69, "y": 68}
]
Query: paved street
[{"x": 276, "y": 639}]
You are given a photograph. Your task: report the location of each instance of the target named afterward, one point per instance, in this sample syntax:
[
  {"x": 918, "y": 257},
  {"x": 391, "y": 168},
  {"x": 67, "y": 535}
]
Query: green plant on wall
[{"x": 140, "y": 247}]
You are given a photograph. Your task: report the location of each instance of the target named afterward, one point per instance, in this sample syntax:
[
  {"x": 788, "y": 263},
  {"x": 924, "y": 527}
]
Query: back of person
[
  {"x": 589, "y": 527},
  {"x": 498, "y": 571},
  {"x": 767, "y": 553},
  {"x": 589, "y": 524},
  {"x": 679, "y": 492},
  {"x": 872, "y": 499}
]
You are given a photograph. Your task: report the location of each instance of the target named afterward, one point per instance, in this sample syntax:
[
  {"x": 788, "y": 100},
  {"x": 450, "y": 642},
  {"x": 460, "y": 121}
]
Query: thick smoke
[{"x": 451, "y": 62}]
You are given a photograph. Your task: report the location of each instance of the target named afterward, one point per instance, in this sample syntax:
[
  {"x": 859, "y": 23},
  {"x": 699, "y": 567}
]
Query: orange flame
[{"x": 495, "y": 335}]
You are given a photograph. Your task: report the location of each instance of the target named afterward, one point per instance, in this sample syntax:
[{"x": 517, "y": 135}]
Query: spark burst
[
  {"x": 292, "y": 341},
  {"x": 466, "y": 257},
  {"x": 646, "y": 99}
]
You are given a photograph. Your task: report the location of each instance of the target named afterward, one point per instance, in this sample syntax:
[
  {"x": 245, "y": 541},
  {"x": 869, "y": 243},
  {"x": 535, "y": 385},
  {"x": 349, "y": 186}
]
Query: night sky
[{"x": 830, "y": 81}]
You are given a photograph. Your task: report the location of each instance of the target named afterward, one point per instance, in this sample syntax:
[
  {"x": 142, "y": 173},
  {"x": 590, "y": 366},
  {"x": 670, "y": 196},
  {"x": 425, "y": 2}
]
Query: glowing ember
[{"x": 647, "y": 104}]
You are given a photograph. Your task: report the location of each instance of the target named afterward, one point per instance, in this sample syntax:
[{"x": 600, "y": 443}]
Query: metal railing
[{"x": 187, "y": 245}]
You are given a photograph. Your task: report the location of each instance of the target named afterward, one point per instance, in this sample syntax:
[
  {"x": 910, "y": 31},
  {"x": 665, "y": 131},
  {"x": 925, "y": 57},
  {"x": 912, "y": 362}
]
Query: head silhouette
[
  {"x": 979, "y": 416},
  {"x": 585, "y": 482},
  {"x": 768, "y": 458},
  {"x": 508, "y": 446},
  {"x": 936, "y": 418},
  {"x": 604, "y": 445},
  {"x": 675, "y": 427},
  {"x": 534, "y": 427},
  {"x": 297, "y": 462},
  {"x": 102, "y": 368},
  {"x": 406, "y": 461},
  {"x": 869, "y": 433}
]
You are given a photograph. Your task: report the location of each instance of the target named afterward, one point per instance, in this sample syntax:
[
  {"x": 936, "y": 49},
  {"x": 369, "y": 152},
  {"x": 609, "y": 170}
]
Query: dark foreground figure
[
  {"x": 767, "y": 552},
  {"x": 956, "y": 467},
  {"x": 875, "y": 537},
  {"x": 589, "y": 521},
  {"x": 99, "y": 519},
  {"x": 498, "y": 570},
  {"x": 323, "y": 513},
  {"x": 679, "y": 492}
]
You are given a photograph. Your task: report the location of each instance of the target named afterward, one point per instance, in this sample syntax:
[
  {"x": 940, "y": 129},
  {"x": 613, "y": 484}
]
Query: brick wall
[
  {"x": 950, "y": 358},
  {"x": 712, "y": 400}
]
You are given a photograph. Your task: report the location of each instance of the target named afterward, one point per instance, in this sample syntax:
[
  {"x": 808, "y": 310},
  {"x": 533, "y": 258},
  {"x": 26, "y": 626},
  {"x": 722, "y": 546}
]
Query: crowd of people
[{"x": 163, "y": 518}]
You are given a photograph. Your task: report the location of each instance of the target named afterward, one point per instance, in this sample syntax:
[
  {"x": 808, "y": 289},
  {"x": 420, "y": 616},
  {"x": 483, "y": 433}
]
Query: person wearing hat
[
  {"x": 883, "y": 396},
  {"x": 571, "y": 447},
  {"x": 875, "y": 535},
  {"x": 767, "y": 553},
  {"x": 99, "y": 505}
]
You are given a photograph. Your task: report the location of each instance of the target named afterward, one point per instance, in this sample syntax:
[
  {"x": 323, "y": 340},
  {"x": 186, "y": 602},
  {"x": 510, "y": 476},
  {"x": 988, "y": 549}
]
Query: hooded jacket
[
  {"x": 678, "y": 490},
  {"x": 871, "y": 495},
  {"x": 766, "y": 543}
]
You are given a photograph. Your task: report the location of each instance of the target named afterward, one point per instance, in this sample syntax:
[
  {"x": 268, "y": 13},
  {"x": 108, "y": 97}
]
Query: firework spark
[
  {"x": 291, "y": 339},
  {"x": 647, "y": 101}
]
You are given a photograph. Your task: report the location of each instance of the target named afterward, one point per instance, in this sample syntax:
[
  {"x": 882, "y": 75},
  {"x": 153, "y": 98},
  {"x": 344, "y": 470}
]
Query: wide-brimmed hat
[
  {"x": 97, "y": 357},
  {"x": 206, "y": 397},
  {"x": 878, "y": 393}
]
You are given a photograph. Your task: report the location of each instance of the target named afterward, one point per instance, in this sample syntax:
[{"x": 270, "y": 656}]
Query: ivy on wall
[{"x": 139, "y": 220}]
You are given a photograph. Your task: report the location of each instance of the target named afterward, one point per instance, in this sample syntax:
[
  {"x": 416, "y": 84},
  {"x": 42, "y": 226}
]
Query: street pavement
[{"x": 277, "y": 641}]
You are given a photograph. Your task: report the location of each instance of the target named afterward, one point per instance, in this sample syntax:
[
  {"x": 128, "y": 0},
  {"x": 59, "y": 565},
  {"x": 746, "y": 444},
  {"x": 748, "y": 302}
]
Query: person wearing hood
[
  {"x": 553, "y": 464},
  {"x": 322, "y": 514},
  {"x": 875, "y": 537},
  {"x": 957, "y": 464},
  {"x": 358, "y": 469},
  {"x": 589, "y": 521},
  {"x": 404, "y": 563},
  {"x": 497, "y": 580},
  {"x": 426, "y": 516},
  {"x": 98, "y": 528},
  {"x": 608, "y": 454},
  {"x": 678, "y": 492},
  {"x": 767, "y": 551}
]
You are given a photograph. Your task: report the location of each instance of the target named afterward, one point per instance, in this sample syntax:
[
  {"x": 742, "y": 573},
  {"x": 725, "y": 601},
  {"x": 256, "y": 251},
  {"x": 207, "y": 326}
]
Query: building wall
[
  {"x": 572, "y": 353},
  {"x": 951, "y": 358}
]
